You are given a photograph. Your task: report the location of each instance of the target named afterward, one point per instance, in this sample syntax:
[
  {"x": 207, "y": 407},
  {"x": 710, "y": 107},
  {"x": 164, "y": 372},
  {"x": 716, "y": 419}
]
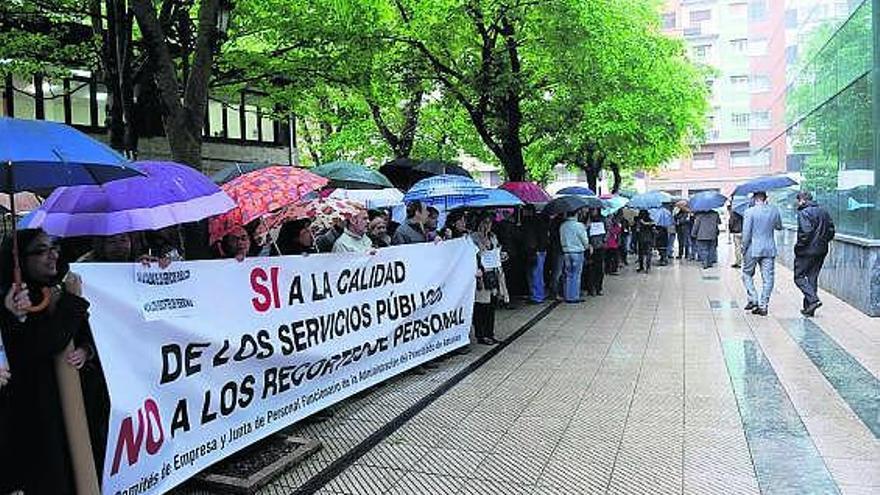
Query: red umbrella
[
  {"x": 528, "y": 192},
  {"x": 260, "y": 192}
]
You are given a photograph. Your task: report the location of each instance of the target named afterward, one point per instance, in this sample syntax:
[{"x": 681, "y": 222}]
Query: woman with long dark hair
[
  {"x": 39, "y": 460},
  {"x": 489, "y": 275}
]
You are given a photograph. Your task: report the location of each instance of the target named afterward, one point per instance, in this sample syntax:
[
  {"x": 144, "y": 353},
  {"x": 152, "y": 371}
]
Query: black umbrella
[
  {"x": 568, "y": 204},
  {"x": 404, "y": 172}
]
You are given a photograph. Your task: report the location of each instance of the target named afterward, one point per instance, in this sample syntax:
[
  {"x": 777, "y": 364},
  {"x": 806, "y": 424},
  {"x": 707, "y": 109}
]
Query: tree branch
[
  {"x": 196, "y": 93},
  {"x": 154, "y": 40}
]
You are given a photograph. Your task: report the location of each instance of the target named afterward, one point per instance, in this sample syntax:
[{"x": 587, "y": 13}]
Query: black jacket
[
  {"x": 815, "y": 230},
  {"x": 735, "y": 223}
]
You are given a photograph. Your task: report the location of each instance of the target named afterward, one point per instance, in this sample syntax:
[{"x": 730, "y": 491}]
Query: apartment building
[{"x": 740, "y": 41}]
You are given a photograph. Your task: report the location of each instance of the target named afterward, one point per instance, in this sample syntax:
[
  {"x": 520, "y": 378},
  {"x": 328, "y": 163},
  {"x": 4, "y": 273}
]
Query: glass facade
[
  {"x": 831, "y": 123},
  {"x": 81, "y": 101}
]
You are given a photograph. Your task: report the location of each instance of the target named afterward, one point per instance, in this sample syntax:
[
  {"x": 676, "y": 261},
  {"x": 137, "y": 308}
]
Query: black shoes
[
  {"x": 750, "y": 306},
  {"x": 759, "y": 311},
  {"x": 487, "y": 341},
  {"x": 810, "y": 310}
]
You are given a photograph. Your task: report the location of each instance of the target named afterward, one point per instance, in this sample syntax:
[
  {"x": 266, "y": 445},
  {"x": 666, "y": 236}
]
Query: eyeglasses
[{"x": 43, "y": 250}]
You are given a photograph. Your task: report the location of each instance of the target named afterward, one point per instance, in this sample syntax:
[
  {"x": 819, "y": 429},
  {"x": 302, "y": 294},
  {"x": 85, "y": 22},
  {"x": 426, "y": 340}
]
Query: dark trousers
[
  {"x": 612, "y": 260},
  {"x": 683, "y": 242},
  {"x": 484, "y": 320},
  {"x": 645, "y": 255},
  {"x": 806, "y": 276},
  {"x": 596, "y": 271}
]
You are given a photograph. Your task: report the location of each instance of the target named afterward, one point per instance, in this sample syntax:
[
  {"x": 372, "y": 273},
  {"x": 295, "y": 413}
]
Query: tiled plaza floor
[{"x": 663, "y": 385}]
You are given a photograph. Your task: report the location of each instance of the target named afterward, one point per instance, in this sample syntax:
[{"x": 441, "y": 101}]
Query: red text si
[
  {"x": 149, "y": 428},
  {"x": 265, "y": 285}
]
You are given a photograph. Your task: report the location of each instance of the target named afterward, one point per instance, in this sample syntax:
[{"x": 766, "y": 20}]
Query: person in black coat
[
  {"x": 34, "y": 434},
  {"x": 815, "y": 232},
  {"x": 535, "y": 227}
]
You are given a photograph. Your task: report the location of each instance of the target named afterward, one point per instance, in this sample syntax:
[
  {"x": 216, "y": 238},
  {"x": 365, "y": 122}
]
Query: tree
[{"x": 183, "y": 119}]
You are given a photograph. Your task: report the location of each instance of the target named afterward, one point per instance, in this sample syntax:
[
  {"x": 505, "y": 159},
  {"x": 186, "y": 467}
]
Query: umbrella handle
[{"x": 43, "y": 304}]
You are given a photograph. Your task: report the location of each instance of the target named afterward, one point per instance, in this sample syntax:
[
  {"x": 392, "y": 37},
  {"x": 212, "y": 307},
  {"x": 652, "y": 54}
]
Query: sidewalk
[{"x": 663, "y": 385}]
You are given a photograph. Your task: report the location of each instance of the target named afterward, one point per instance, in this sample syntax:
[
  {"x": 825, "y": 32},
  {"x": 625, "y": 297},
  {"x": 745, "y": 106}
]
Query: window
[
  {"x": 494, "y": 179},
  {"x": 758, "y": 47},
  {"x": 757, "y": 10},
  {"x": 760, "y": 83},
  {"x": 23, "y": 101},
  {"x": 669, "y": 20},
  {"x": 760, "y": 119},
  {"x": 251, "y": 120},
  {"x": 739, "y": 82},
  {"x": 700, "y": 15},
  {"x": 53, "y": 99},
  {"x": 80, "y": 102},
  {"x": 739, "y": 45},
  {"x": 215, "y": 118},
  {"x": 673, "y": 165},
  {"x": 233, "y": 121},
  {"x": 791, "y": 54},
  {"x": 762, "y": 158},
  {"x": 740, "y": 120},
  {"x": 101, "y": 97},
  {"x": 702, "y": 51},
  {"x": 791, "y": 18},
  {"x": 740, "y": 158},
  {"x": 738, "y": 10},
  {"x": 4, "y": 100},
  {"x": 268, "y": 129},
  {"x": 704, "y": 160}
]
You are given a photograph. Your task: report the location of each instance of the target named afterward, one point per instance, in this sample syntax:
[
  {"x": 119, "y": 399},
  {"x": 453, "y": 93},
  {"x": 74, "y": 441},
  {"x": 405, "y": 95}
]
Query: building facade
[
  {"x": 235, "y": 130},
  {"x": 742, "y": 43}
]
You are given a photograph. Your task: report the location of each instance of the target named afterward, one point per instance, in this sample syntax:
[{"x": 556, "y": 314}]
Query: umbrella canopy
[
  {"x": 740, "y": 205},
  {"x": 370, "y": 198},
  {"x": 325, "y": 212},
  {"x": 169, "y": 194},
  {"x": 707, "y": 200},
  {"x": 44, "y": 155},
  {"x": 613, "y": 204},
  {"x": 766, "y": 183},
  {"x": 495, "y": 198},
  {"x": 405, "y": 172},
  {"x": 576, "y": 190},
  {"x": 528, "y": 192},
  {"x": 445, "y": 191},
  {"x": 350, "y": 175},
  {"x": 662, "y": 217},
  {"x": 650, "y": 199},
  {"x": 567, "y": 204},
  {"x": 260, "y": 192},
  {"x": 24, "y": 202},
  {"x": 237, "y": 170}
]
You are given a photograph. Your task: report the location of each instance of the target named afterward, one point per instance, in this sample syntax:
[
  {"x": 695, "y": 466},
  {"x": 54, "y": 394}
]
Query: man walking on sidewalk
[
  {"x": 760, "y": 223},
  {"x": 815, "y": 231},
  {"x": 735, "y": 228}
]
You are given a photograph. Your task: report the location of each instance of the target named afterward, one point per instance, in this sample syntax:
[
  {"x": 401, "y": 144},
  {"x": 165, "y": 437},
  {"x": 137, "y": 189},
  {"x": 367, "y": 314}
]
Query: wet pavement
[{"x": 662, "y": 385}]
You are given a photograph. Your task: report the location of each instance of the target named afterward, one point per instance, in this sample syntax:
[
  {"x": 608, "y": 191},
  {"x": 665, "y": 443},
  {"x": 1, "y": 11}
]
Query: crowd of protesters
[{"x": 522, "y": 256}]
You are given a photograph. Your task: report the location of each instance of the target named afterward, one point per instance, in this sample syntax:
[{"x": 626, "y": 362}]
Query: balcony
[{"x": 690, "y": 32}]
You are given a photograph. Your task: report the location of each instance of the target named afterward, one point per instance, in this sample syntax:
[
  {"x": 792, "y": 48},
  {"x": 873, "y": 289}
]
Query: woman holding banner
[
  {"x": 489, "y": 259},
  {"x": 40, "y": 460}
]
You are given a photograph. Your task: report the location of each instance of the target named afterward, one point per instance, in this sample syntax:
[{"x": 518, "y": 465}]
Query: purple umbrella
[{"x": 169, "y": 194}]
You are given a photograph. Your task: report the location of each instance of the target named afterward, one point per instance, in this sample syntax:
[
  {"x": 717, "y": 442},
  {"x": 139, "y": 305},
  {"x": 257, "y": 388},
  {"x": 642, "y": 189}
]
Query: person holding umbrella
[
  {"x": 705, "y": 229},
  {"x": 759, "y": 249},
  {"x": 41, "y": 463},
  {"x": 643, "y": 234},
  {"x": 815, "y": 232}
]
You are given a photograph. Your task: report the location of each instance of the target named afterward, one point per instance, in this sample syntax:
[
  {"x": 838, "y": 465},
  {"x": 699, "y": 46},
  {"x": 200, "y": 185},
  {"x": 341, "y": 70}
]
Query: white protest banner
[{"x": 269, "y": 342}]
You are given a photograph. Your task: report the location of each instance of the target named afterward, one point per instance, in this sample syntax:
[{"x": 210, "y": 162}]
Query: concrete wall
[{"x": 851, "y": 271}]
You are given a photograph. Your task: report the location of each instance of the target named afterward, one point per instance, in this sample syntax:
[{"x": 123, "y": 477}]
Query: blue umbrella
[
  {"x": 662, "y": 217},
  {"x": 612, "y": 205},
  {"x": 577, "y": 190},
  {"x": 707, "y": 200},
  {"x": 740, "y": 205},
  {"x": 37, "y": 154},
  {"x": 445, "y": 191},
  {"x": 650, "y": 199},
  {"x": 495, "y": 198},
  {"x": 767, "y": 183}
]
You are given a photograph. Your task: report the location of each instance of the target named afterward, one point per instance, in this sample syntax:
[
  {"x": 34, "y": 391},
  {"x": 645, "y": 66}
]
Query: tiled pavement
[{"x": 663, "y": 385}]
